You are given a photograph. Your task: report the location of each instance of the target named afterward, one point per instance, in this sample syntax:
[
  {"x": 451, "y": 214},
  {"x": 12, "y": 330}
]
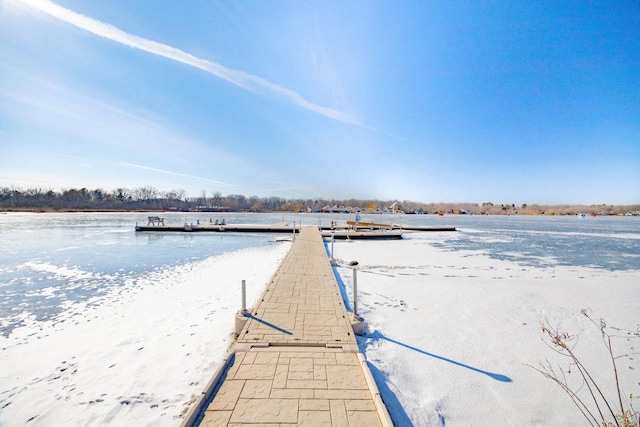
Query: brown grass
[{"x": 597, "y": 409}]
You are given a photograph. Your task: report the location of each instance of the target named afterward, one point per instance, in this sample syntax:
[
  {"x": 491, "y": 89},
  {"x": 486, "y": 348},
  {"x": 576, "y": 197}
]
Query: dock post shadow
[{"x": 377, "y": 335}]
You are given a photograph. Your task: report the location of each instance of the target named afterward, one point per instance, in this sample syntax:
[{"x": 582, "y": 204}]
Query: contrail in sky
[
  {"x": 166, "y": 172},
  {"x": 236, "y": 77}
]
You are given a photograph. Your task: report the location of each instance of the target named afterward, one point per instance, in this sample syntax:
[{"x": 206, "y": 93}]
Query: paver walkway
[{"x": 296, "y": 360}]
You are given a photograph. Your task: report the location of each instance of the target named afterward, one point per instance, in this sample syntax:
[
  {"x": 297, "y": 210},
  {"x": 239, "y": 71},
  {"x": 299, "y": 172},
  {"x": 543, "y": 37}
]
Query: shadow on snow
[
  {"x": 396, "y": 411},
  {"x": 377, "y": 335}
]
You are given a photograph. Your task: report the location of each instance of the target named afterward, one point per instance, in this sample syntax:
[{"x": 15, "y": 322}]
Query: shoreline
[{"x": 567, "y": 210}]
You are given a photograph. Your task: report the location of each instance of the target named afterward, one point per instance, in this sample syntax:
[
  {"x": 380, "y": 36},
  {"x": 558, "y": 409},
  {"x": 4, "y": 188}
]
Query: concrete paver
[{"x": 296, "y": 361}]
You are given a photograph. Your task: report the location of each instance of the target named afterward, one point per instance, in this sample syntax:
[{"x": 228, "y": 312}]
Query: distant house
[
  {"x": 336, "y": 209},
  {"x": 211, "y": 209}
]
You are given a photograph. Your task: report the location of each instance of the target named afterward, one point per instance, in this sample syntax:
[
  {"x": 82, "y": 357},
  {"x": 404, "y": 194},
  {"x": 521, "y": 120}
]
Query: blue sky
[{"x": 431, "y": 101}]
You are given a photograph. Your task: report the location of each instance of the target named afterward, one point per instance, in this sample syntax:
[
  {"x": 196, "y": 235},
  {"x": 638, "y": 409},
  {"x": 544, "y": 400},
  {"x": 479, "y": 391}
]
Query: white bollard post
[
  {"x": 333, "y": 237},
  {"x": 244, "y": 296},
  {"x": 357, "y": 323},
  {"x": 241, "y": 316},
  {"x": 355, "y": 291}
]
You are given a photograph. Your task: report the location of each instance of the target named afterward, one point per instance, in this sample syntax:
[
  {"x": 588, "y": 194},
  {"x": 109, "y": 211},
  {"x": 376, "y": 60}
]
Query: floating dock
[
  {"x": 220, "y": 228},
  {"x": 423, "y": 228},
  {"x": 362, "y": 235},
  {"x": 341, "y": 233},
  {"x": 296, "y": 360},
  {"x": 357, "y": 226},
  {"x": 347, "y": 231}
]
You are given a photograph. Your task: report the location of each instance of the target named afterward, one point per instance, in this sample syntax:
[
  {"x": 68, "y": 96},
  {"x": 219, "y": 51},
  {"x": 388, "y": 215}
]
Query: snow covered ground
[
  {"x": 450, "y": 334},
  {"x": 135, "y": 356}
]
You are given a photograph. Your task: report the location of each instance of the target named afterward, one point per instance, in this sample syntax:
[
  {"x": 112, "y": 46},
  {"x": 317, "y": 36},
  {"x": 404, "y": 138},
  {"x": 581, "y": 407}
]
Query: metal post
[
  {"x": 242, "y": 316},
  {"x": 333, "y": 237},
  {"x": 244, "y": 296},
  {"x": 294, "y": 230},
  {"x": 355, "y": 291}
]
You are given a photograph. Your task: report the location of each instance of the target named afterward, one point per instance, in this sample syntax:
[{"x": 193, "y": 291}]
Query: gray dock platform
[
  {"x": 357, "y": 234},
  {"x": 363, "y": 235},
  {"x": 220, "y": 228}
]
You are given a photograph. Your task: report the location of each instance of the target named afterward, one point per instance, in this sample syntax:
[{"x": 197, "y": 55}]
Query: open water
[{"x": 48, "y": 261}]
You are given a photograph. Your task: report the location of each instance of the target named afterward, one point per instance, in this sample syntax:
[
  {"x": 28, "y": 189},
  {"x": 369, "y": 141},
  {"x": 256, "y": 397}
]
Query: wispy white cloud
[
  {"x": 237, "y": 77},
  {"x": 85, "y": 137},
  {"x": 92, "y": 161},
  {"x": 166, "y": 172},
  {"x": 279, "y": 187}
]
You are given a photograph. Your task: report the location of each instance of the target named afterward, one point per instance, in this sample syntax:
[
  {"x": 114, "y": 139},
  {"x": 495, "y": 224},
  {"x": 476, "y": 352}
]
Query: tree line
[{"x": 150, "y": 198}]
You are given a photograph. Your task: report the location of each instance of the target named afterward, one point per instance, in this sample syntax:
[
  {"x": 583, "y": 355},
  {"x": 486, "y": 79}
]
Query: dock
[
  {"x": 363, "y": 235},
  {"x": 424, "y": 228},
  {"x": 340, "y": 233},
  {"x": 296, "y": 360},
  {"x": 364, "y": 226},
  {"x": 219, "y": 228},
  {"x": 351, "y": 230}
]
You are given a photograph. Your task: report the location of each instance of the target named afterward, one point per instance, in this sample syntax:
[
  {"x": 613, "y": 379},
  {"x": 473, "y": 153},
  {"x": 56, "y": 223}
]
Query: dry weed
[{"x": 595, "y": 407}]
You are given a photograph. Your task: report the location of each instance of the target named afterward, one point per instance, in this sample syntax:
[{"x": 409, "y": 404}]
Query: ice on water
[{"x": 101, "y": 324}]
